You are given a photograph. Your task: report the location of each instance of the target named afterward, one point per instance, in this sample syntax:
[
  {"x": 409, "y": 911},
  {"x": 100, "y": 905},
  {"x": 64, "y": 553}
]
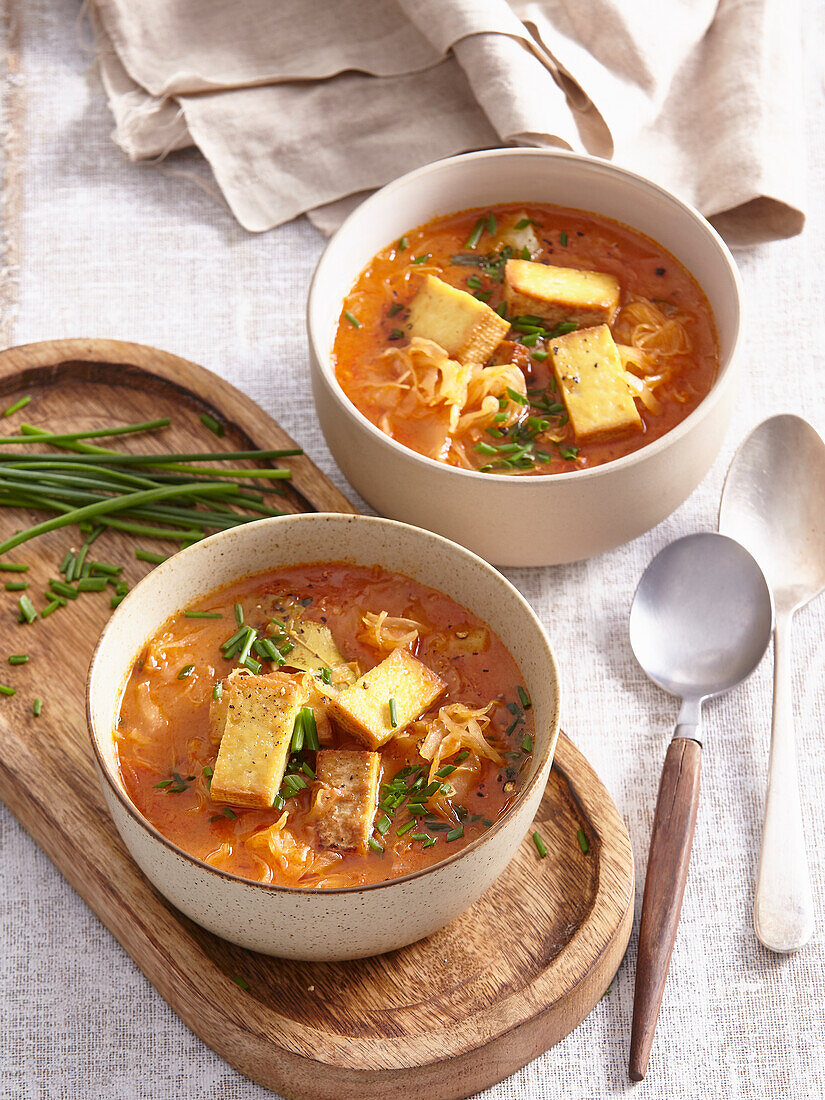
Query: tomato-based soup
[
  {"x": 574, "y": 340},
  {"x": 400, "y": 723}
]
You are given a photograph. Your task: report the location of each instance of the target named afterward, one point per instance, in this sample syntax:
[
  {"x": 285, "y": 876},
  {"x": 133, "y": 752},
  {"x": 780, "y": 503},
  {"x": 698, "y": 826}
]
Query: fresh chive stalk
[
  {"x": 21, "y": 404},
  {"x": 541, "y": 847},
  {"x": 37, "y": 707},
  {"x": 212, "y": 424}
]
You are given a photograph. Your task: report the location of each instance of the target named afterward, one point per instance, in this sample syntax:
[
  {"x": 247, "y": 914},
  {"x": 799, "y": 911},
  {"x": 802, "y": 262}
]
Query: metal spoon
[
  {"x": 700, "y": 623},
  {"x": 774, "y": 504}
]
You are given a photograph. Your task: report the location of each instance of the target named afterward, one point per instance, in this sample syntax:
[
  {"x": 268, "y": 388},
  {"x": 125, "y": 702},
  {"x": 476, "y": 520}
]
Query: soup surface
[
  {"x": 525, "y": 339},
  {"x": 370, "y": 727}
]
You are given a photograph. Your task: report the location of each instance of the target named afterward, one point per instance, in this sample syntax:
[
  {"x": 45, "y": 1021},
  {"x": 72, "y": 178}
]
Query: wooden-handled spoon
[{"x": 700, "y": 623}]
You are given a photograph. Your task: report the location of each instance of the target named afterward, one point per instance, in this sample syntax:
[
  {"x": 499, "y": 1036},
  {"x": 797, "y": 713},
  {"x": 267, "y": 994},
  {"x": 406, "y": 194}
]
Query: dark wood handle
[{"x": 667, "y": 869}]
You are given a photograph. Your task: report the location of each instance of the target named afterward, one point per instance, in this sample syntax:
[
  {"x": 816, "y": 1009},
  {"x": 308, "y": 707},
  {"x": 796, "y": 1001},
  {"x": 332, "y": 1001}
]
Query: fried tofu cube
[
  {"x": 467, "y": 329},
  {"x": 559, "y": 294},
  {"x": 400, "y": 689},
  {"x": 344, "y": 795},
  {"x": 593, "y": 383},
  {"x": 254, "y": 718},
  {"x": 519, "y": 239}
]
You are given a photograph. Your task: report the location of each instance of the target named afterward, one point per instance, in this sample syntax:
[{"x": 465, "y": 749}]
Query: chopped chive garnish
[
  {"x": 242, "y": 982},
  {"x": 474, "y": 283},
  {"x": 353, "y": 320},
  {"x": 475, "y": 236},
  {"x": 253, "y": 665},
  {"x": 217, "y": 691},
  {"x": 584, "y": 844},
  {"x": 519, "y": 398},
  {"x": 539, "y": 355},
  {"x": 405, "y": 828},
  {"x": 21, "y": 404},
  {"x": 492, "y": 224},
  {"x": 393, "y": 714},
  {"x": 18, "y": 658},
  {"x": 202, "y": 615},
  {"x": 212, "y": 424},
  {"x": 278, "y": 803},
  {"x": 373, "y": 843},
  {"x": 164, "y": 783},
  {"x": 422, "y": 259},
  {"x": 63, "y": 589},
  {"x": 541, "y": 847},
  {"x": 454, "y": 834},
  {"x": 16, "y": 586},
  {"x": 229, "y": 813},
  {"x": 383, "y": 824},
  {"x": 234, "y": 641},
  {"x": 527, "y": 743},
  {"x": 27, "y": 610},
  {"x": 186, "y": 672},
  {"x": 462, "y": 756},
  {"x": 148, "y": 555},
  {"x": 37, "y": 707},
  {"x": 526, "y": 702},
  {"x": 429, "y": 843},
  {"x": 483, "y": 295},
  {"x": 239, "y": 614},
  {"x": 310, "y": 727},
  {"x": 7, "y": 690},
  {"x": 522, "y": 223},
  {"x": 396, "y": 334},
  {"x": 525, "y": 253},
  {"x": 307, "y": 770},
  {"x": 485, "y": 448},
  {"x": 116, "y": 601},
  {"x": 105, "y": 568},
  {"x": 563, "y": 239},
  {"x": 208, "y": 771},
  {"x": 246, "y": 645},
  {"x": 51, "y": 606},
  {"x": 91, "y": 584},
  {"x": 569, "y": 452},
  {"x": 448, "y": 769},
  {"x": 298, "y": 732},
  {"x": 13, "y": 567},
  {"x": 403, "y": 244},
  {"x": 326, "y": 675},
  {"x": 419, "y": 836}
]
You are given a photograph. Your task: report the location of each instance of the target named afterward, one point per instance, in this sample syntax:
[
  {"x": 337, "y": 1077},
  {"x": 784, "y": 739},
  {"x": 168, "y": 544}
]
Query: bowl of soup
[
  {"x": 527, "y": 351},
  {"x": 323, "y": 736}
]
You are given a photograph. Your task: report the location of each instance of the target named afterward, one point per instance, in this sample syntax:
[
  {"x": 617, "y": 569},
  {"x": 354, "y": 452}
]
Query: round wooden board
[{"x": 443, "y": 1018}]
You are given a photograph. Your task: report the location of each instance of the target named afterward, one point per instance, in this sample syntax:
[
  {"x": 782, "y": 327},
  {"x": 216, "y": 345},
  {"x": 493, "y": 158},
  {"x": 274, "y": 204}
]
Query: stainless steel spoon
[
  {"x": 700, "y": 623},
  {"x": 774, "y": 504}
]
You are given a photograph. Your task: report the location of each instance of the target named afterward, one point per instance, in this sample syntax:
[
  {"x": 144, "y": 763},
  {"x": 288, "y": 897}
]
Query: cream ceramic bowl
[
  {"x": 297, "y": 922},
  {"x": 507, "y": 519}
]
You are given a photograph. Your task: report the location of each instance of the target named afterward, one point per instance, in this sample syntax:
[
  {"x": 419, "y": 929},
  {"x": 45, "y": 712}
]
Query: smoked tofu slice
[
  {"x": 344, "y": 796},
  {"x": 592, "y": 382},
  {"x": 364, "y": 708},
  {"x": 559, "y": 294},
  {"x": 254, "y": 718},
  {"x": 466, "y": 328}
]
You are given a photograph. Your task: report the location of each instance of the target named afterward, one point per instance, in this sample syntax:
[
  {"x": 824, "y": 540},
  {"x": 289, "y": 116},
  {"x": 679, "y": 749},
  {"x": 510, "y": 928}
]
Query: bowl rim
[
  {"x": 598, "y": 166},
  {"x": 315, "y": 891}
]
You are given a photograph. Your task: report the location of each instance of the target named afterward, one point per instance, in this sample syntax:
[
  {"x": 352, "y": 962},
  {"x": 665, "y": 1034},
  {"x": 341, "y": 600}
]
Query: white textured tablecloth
[{"x": 94, "y": 246}]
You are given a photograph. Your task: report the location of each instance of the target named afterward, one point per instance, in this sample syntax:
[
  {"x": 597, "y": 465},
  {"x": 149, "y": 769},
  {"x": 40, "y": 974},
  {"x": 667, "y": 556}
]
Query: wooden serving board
[{"x": 443, "y": 1018}]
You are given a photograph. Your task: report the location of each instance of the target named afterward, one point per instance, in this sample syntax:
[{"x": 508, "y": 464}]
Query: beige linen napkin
[{"x": 303, "y": 105}]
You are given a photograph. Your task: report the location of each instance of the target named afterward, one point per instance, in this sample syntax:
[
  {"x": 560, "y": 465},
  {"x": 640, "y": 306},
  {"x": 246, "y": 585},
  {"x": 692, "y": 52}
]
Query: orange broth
[
  {"x": 163, "y": 730},
  {"x": 683, "y": 374}
]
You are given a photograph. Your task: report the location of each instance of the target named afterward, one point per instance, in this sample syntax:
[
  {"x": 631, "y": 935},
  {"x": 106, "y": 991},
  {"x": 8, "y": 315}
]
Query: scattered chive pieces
[
  {"x": 310, "y": 728},
  {"x": 563, "y": 239},
  {"x": 27, "y": 610},
  {"x": 13, "y": 567},
  {"x": 217, "y": 691},
  {"x": 454, "y": 834},
  {"x": 462, "y": 756},
  {"x": 164, "y": 783},
  {"x": 326, "y": 675},
  {"x": 539, "y": 355},
  {"x": 429, "y": 842},
  {"x": 353, "y": 320},
  {"x": 569, "y": 452},
  {"x": 212, "y": 424},
  {"x": 186, "y": 671},
  {"x": 475, "y": 236},
  {"x": 383, "y": 824},
  {"x": 51, "y": 606},
  {"x": 105, "y": 568},
  {"x": 208, "y": 771},
  {"x": 405, "y": 828},
  {"x": 419, "y": 836},
  {"x": 7, "y": 690},
  {"x": 514, "y": 395},
  {"x": 202, "y": 615},
  {"x": 116, "y": 601},
  {"x": 393, "y": 714},
  {"x": 492, "y": 224},
  {"x": 422, "y": 259},
  {"x": 21, "y": 404},
  {"x": 91, "y": 584},
  {"x": 527, "y": 743},
  {"x": 583, "y": 841},
  {"x": 16, "y": 586},
  {"x": 541, "y": 847},
  {"x": 376, "y": 847},
  {"x": 37, "y": 707},
  {"x": 18, "y": 658},
  {"x": 229, "y": 813},
  {"x": 239, "y": 614},
  {"x": 148, "y": 555},
  {"x": 485, "y": 448},
  {"x": 253, "y": 665},
  {"x": 242, "y": 982},
  {"x": 403, "y": 244},
  {"x": 396, "y": 334},
  {"x": 448, "y": 769},
  {"x": 526, "y": 253},
  {"x": 474, "y": 283},
  {"x": 526, "y": 701}
]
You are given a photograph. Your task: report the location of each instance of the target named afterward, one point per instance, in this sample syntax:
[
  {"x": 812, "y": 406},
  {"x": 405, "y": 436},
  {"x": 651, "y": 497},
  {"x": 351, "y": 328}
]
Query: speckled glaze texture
[
  {"x": 321, "y": 924},
  {"x": 572, "y": 515}
]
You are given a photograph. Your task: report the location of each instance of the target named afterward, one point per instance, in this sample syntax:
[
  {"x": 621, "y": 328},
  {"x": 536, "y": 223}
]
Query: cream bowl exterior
[
  {"x": 507, "y": 519},
  {"x": 305, "y": 923}
]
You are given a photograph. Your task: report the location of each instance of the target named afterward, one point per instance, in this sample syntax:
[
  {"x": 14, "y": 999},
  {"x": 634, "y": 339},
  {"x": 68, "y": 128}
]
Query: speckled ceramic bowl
[
  {"x": 512, "y": 520},
  {"x": 305, "y": 923}
]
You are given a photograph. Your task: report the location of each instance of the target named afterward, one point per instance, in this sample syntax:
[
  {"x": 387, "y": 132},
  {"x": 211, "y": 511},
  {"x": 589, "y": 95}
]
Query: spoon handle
[
  {"x": 783, "y": 910},
  {"x": 667, "y": 869}
]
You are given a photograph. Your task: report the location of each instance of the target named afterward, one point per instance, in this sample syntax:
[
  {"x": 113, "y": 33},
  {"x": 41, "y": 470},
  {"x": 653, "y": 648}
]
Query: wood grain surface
[
  {"x": 667, "y": 868},
  {"x": 442, "y": 1018}
]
